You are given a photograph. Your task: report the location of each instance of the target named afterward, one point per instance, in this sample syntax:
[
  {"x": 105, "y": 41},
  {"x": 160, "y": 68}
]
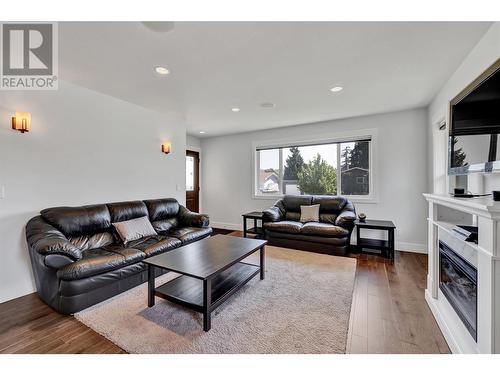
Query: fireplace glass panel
[{"x": 458, "y": 282}]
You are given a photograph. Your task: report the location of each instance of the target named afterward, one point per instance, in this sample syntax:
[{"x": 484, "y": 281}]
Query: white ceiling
[{"x": 383, "y": 66}]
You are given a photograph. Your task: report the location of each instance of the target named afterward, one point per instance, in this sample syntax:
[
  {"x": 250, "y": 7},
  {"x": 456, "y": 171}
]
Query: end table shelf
[{"x": 188, "y": 291}]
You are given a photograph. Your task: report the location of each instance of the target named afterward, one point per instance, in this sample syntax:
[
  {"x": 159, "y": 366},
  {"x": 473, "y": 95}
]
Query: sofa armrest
[
  {"x": 46, "y": 240},
  {"x": 274, "y": 213},
  {"x": 347, "y": 217},
  {"x": 192, "y": 219},
  {"x": 271, "y": 214}
]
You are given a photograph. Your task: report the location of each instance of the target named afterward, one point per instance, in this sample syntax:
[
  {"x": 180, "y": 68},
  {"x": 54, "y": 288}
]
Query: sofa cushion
[
  {"x": 100, "y": 260},
  {"x": 323, "y": 229},
  {"x": 284, "y": 226},
  {"x": 93, "y": 241},
  {"x": 292, "y": 216},
  {"x": 327, "y": 218},
  {"x": 123, "y": 211},
  {"x": 329, "y": 204},
  {"x": 190, "y": 234},
  {"x": 165, "y": 225},
  {"x": 293, "y": 202},
  {"x": 160, "y": 209},
  {"x": 77, "y": 221},
  {"x": 134, "y": 229},
  {"x": 155, "y": 245}
]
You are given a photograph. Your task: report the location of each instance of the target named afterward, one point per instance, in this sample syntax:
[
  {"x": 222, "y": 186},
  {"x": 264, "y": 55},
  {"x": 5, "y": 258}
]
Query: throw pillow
[
  {"x": 134, "y": 229},
  {"x": 309, "y": 213}
]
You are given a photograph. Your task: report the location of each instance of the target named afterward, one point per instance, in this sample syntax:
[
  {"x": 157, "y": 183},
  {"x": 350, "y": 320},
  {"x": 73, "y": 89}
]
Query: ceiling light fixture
[
  {"x": 159, "y": 27},
  {"x": 235, "y": 109},
  {"x": 268, "y": 105},
  {"x": 162, "y": 70},
  {"x": 202, "y": 132},
  {"x": 336, "y": 89}
]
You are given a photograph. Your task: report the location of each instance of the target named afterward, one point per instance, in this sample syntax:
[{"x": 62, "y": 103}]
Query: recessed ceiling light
[
  {"x": 235, "y": 109},
  {"x": 162, "y": 70},
  {"x": 202, "y": 132},
  {"x": 268, "y": 105},
  {"x": 336, "y": 89},
  {"x": 159, "y": 27}
]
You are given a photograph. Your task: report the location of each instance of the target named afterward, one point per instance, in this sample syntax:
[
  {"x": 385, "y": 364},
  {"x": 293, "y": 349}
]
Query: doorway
[{"x": 193, "y": 180}]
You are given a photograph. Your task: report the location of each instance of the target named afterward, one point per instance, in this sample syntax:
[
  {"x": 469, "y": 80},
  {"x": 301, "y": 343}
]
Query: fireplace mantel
[{"x": 444, "y": 212}]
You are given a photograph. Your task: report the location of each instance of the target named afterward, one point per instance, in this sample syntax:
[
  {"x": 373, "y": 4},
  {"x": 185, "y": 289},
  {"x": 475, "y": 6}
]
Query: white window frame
[{"x": 340, "y": 137}]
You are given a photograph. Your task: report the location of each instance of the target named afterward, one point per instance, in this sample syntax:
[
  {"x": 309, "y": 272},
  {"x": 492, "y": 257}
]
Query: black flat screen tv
[{"x": 475, "y": 125}]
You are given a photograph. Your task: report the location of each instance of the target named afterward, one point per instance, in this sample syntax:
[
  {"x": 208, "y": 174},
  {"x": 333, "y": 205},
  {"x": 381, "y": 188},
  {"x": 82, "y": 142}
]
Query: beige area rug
[{"x": 302, "y": 306}]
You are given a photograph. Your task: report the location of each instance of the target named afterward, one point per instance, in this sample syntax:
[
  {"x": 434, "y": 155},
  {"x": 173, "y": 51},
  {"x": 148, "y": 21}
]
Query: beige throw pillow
[
  {"x": 309, "y": 213},
  {"x": 134, "y": 229}
]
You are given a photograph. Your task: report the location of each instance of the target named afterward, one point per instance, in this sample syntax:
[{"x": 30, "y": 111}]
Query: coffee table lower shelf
[{"x": 189, "y": 291}]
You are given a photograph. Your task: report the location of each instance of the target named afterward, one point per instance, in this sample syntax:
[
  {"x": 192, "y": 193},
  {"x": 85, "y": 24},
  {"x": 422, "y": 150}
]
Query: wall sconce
[
  {"x": 22, "y": 122},
  {"x": 166, "y": 147}
]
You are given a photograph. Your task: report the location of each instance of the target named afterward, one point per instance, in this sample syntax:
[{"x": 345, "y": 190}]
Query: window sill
[{"x": 371, "y": 200}]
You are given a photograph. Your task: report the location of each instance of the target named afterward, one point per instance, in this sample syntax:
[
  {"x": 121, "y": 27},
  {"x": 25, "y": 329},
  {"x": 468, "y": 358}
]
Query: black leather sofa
[
  {"x": 78, "y": 259},
  {"x": 331, "y": 235}
]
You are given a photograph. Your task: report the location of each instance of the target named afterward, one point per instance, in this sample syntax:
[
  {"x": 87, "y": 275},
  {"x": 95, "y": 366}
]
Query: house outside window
[{"x": 342, "y": 167}]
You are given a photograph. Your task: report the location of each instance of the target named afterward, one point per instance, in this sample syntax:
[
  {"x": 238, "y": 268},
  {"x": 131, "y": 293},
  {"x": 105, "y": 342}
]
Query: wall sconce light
[
  {"x": 22, "y": 122},
  {"x": 166, "y": 148}
]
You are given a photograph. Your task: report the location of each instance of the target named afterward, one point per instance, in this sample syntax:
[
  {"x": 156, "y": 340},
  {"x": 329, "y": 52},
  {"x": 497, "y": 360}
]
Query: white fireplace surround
[{"x": 445, "y": 212}]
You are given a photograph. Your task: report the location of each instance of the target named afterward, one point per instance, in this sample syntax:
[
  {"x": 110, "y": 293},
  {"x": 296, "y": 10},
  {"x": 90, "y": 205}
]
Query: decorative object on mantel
[
  {"x": 166, "y": 148},
  {"x": 362, "y": 217},
  {"x": 496, "y": 195},
  {"x": 22, "y": 122},
  {"x": 458, "y": 191}
]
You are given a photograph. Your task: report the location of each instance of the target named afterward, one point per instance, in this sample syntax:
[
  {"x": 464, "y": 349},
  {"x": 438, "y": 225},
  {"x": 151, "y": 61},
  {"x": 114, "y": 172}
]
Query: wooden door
[{"x": 193, "y": 180}]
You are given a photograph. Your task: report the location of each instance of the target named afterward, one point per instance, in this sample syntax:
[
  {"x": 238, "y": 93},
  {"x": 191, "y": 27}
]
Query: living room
[{"x": 269, "y": 185}]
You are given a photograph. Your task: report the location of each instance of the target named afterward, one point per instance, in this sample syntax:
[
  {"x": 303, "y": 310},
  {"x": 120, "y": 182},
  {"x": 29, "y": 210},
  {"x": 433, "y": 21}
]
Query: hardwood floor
[
  {"x": 27, "y": 325},
  {"x": 388, "y": 315}
]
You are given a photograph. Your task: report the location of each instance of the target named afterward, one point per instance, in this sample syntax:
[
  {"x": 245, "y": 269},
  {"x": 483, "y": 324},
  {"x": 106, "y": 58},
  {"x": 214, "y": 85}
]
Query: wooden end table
[
  {"x": 257, "y": 230},
  {"x": 386, "y": 247}
]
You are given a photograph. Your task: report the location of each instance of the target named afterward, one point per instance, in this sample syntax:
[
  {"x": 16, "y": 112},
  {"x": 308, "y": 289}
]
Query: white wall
[
  {"x": 84, "y": 148},
  {"x": 483, "y": 55},
  {"x": 402, "y": 171},
  {"x": 193, "y": 143}
]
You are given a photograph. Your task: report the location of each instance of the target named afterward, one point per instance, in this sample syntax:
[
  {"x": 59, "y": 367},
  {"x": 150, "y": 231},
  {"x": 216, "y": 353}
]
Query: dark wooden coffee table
[{"x": 212, "y": 270}]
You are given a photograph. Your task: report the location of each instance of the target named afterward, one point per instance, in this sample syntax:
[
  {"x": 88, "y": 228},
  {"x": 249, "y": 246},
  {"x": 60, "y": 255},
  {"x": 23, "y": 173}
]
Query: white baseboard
[
  {"x": 220, "y": 225},
  {"x": 411, "y": 247},
  {"x": 401, "y": 246}
]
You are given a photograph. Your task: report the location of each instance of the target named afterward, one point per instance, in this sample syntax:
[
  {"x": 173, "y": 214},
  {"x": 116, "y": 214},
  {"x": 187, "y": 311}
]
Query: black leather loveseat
[
  {"x": 330, "y": 235},
  {"x": 78, "y": 259}
]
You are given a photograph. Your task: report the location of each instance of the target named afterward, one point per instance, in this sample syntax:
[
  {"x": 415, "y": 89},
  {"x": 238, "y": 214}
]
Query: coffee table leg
[
  {"x": 151, "y": 286},
  {"x": 207, "y": 301},
  {"x": 262, "y": 261}
]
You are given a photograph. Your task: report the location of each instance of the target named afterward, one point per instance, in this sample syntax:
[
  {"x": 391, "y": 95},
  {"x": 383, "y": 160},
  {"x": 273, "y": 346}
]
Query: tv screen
[{"x": 475, "y": 125}]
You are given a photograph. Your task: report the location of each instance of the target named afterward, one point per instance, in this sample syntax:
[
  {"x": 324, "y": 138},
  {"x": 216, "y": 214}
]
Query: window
[{"x": 341, "y": 167}]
